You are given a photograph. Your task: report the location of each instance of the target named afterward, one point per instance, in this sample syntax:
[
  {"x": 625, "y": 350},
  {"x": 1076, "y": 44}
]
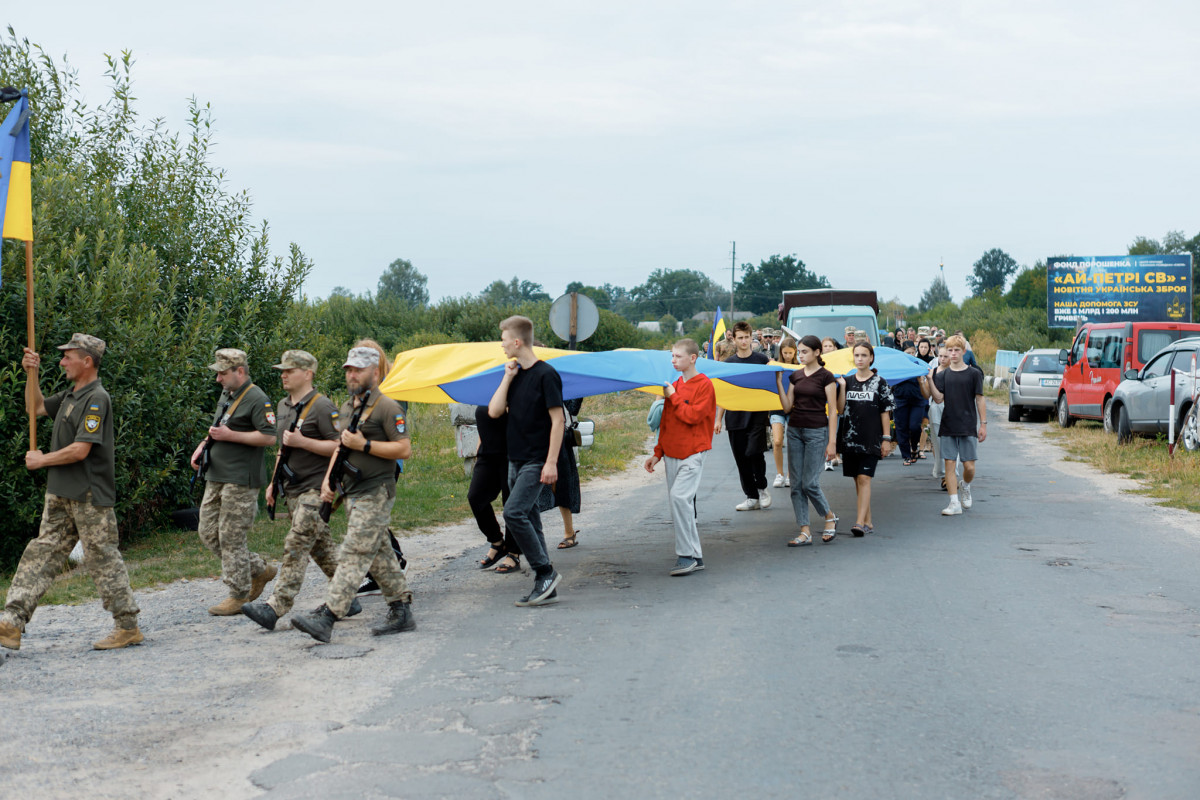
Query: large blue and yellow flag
[
  {"x": 16, "y": 207},
  {"x": 470, "y": 373}
]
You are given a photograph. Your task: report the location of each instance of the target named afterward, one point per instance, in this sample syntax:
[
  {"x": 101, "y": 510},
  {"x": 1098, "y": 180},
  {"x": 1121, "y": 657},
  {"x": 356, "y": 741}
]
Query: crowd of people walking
[{"x": 352, "y": 457}]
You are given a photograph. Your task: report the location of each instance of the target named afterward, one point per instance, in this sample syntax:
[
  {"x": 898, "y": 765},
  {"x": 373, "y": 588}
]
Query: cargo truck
[{"x": 828, "y": 312}]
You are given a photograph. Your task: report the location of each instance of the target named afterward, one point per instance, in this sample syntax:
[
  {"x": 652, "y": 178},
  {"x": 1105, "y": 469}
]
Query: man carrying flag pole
[
  {"x": 16, "y": 206},
  {"x": 718, "y": 332}
]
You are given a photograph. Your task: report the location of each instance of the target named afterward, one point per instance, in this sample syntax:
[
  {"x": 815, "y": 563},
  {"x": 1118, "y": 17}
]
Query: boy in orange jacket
[{"x": 684, "y": 439}]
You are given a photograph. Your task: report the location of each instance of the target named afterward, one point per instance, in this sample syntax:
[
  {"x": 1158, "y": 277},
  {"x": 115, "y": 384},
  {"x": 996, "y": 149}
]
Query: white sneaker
[
  {"x": 778, "y": 481},
  {"x": 749, "y": 504},
  {"x": 764, "y": 498},
  {"x": 787, "y": 481},
  {"x": 953, "y": 509},
  {"x": 964, "y": 494}
]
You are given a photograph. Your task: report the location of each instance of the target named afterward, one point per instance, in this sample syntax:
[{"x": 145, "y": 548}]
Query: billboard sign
[{"x": 1154, "y": 288}]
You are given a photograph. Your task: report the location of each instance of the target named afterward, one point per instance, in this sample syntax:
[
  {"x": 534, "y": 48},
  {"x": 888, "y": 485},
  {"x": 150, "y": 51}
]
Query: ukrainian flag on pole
[
  {"x": 718, "y": 332},
  {"x": 16, "y": 206}
]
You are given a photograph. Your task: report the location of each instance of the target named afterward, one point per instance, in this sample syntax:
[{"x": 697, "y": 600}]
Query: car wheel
[
  {"x": 1014, "y": 413},
  {"x": 1124, "y": 433},
  {"x": 1065, "y": 420},
  {"x": 1189, "y": 429},
  {"x": 1106, "y": 415}
]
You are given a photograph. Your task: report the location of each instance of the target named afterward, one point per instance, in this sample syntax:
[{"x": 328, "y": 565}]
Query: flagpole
[{"x": 31, "y": 373}]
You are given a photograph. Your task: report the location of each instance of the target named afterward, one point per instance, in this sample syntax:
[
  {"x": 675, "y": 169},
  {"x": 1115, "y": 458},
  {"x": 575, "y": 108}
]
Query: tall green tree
[
  {"x": 1029, "y": 288},
  {"x": 405, "y": 282},
  {"x": 937, "y": 293},
  {"x": 513, "y": 293},
  {"x": 678, "y": 292},
  {"x": 761, "y": 288},
  {"x": 991, "y": 272}
]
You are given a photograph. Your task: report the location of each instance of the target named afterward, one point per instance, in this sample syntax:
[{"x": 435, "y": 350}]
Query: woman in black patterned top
[{"x": 865, "y": 402}]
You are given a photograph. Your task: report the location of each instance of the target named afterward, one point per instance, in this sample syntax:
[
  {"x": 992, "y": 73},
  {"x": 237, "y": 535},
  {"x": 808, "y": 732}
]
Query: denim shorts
[{"x": 779, "y": 419}]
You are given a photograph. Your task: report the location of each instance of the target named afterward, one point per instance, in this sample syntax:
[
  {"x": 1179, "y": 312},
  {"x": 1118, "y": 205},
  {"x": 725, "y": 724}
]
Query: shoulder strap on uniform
[
  {"x": 308, "y": 407},
  {"x": 233, "y": 407}
]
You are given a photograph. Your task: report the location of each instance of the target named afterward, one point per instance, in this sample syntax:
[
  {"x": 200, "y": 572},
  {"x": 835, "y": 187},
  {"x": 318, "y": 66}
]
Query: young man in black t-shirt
[
  {"x": 531, "y": 393},
  {"x": 964, "y": 421},
  {"x": 747, "y": 431}
]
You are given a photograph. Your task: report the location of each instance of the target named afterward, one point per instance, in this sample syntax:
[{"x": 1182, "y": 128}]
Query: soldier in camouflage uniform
[
  {"x": 80, "y": 495},
  {"x": 308, "y": 428},
  {"x": 370, "y": 491},
  {"x": 242, "y": 429}
]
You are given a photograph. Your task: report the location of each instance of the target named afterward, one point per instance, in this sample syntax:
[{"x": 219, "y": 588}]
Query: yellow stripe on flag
[{"x": 18, "y": 213}]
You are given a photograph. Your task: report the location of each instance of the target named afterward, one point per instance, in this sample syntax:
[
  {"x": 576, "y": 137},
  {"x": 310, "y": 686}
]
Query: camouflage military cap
[
  {"x": 89, "y": 344},
  {"x": 297, "y": 359},
  {"x": 228, "y": 358},
  {"x": 360, "y": 357}
]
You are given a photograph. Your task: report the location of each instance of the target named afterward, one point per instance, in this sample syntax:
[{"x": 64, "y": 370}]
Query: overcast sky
[{"x": 600, "y": 141}]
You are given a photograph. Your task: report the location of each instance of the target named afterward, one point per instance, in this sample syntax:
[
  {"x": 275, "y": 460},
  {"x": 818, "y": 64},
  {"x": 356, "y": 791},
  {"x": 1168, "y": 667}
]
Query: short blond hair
[
  {"x": 688, "y": 346},
  {"x": 520, "y": 327},
  {"x": 955, "y": 341}
]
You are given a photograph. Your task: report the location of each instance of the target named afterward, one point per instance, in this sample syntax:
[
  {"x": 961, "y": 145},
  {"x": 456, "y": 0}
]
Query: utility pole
[{"x": 732, "y": 269}]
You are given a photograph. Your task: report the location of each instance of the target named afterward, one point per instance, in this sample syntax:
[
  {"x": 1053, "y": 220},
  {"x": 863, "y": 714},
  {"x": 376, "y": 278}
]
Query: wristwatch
[{"x": 367, "y": 447}]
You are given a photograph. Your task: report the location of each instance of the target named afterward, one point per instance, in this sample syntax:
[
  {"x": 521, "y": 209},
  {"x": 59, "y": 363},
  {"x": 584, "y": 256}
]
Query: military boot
[
  {"x": 119, "y": 638},
  {"x": 355, "y": 608},
  {"x": 10, "y": 636},
  {"x": 317, "y": 623},
  {"x": 229, "y": 607},
  {"x": 260, "y": 581},
  {"x": 399, "y": 619},
  {"x": 262, "y": 613}
]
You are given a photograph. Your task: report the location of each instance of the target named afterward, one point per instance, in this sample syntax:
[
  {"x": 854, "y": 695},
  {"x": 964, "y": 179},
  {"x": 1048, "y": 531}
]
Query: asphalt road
[{"x": 1043, "y": 645}]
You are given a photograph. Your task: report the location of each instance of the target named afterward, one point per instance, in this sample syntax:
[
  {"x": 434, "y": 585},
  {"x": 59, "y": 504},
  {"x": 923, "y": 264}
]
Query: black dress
[{"x": 565, "y": 492}]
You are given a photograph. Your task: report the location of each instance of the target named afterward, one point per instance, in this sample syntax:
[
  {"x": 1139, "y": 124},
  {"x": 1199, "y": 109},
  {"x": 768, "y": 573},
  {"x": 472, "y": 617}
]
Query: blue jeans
[
  {"x": 806, "y": 460},
  {"x": 521, "y": 518},
  {"x": 908, "y": 415}
]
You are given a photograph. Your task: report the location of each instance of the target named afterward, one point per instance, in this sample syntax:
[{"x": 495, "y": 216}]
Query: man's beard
[{"x": 359, "y": 390}]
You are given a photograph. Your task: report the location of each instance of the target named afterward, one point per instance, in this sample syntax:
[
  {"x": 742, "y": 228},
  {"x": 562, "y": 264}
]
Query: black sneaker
[
  {"x": 542, "y": 587},
  {"x": 368, "y": 586},
  {"x": 699, "y": 564},
  {"x": 685, "y": 565},
  {"x": 549, "y": 599}
]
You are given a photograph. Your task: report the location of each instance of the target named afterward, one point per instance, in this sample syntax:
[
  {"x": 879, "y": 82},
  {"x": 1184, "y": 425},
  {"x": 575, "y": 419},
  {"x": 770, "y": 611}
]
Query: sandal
[
  {"x": 869, "y": 528},
  {"x": 569, "y": 541},
  {"x": 943, "y": 484},
  {"x": 491, "y": 561},
  {"x": 858, "y": 530},
  {"x": 908, "y": 462},
  {"x": 801, "y": 540},
  {"x": 829, "y": 534},
  {"x": 515, "y": 566}
]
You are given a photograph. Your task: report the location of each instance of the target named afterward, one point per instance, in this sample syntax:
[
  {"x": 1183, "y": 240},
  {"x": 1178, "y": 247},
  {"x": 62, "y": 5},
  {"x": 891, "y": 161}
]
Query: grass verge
[
  {"x": 1174, "y": 480},
  {"x": 432, "y": 491}
]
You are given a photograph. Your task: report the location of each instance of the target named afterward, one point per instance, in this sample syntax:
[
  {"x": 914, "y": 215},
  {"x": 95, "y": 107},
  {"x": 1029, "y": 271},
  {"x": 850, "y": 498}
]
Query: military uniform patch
[
  {"x": 270, "y": 413},
  {"x": 91, "y": 423},
  {"x": 400, "y": 423}
]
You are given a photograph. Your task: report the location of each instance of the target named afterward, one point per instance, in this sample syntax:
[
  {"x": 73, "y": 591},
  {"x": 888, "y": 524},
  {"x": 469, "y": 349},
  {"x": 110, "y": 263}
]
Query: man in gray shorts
[{"x": 964, "y": 421}]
